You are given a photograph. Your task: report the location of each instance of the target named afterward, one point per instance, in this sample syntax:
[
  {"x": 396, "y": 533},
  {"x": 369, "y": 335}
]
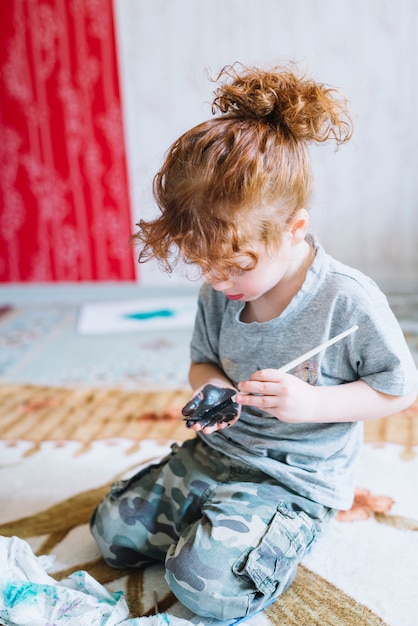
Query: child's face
[{"x": 270, "y": 270}]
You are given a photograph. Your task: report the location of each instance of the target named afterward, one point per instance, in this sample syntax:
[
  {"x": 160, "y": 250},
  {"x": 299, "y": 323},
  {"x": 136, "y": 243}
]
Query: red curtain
[{"x": 64, "y": 202}]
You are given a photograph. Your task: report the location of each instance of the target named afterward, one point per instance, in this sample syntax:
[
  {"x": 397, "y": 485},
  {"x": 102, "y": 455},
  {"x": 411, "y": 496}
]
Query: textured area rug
[
  {"x": 61, "y": 448},
  {"x": 36, "y": 414},
  {"x": 40, "y": 344}
]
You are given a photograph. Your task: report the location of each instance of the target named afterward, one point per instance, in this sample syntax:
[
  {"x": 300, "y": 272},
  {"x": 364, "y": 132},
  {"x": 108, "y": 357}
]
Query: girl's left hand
[
  {"x": 205, "y": 399},
  {"x": 282, "y": 395}
]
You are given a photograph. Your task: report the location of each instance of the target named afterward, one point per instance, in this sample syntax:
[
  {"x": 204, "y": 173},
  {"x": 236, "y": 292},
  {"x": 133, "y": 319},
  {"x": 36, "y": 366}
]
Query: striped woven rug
[{"x": 36, "y": 414}]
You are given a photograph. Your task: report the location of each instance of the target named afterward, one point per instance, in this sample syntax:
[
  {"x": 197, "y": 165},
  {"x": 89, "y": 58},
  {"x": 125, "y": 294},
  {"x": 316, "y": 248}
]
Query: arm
[
  {"x": 292, "y": 400},
  {"x": 201, "y": 374}
]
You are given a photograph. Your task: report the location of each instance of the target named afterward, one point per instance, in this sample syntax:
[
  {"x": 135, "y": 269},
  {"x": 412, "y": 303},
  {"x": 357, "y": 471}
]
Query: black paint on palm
[{"x": 212, "y": 405}]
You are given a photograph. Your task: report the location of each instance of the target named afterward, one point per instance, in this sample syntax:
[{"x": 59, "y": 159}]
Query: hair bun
[{"x": 293, "y": 104}]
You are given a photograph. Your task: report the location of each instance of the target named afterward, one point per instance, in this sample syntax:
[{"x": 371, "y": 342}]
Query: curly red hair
[{"x": 240, "y": 176}]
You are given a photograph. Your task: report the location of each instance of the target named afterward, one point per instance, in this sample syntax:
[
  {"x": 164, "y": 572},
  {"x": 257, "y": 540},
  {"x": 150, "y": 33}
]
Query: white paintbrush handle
[{"x": 314, "y": 351}]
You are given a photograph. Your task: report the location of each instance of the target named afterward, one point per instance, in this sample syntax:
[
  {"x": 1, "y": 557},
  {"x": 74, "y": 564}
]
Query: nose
[
  {"x": 221, "y": 286},
  {"x": 218, "y": 285}
]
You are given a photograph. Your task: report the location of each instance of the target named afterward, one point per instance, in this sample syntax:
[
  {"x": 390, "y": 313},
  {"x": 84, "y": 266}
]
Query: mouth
[{"x": 237, "y": 296}]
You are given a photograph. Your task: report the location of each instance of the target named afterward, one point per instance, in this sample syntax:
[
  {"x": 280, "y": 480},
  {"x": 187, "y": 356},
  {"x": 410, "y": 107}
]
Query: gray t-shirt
[{"x": 314, "y": 460}]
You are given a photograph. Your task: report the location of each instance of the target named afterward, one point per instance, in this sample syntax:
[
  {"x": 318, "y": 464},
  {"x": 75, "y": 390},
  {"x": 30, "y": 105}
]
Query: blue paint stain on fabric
[
  {"x": 28, "y": 595},
  {"x": 149, "y": 315},
  {"x": 15, "y": 594}
]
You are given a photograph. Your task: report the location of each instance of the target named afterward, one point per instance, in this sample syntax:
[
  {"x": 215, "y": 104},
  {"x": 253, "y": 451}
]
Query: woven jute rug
[
  {"x": 61, "y": 448},
  {"x": 37, "y": 414}
]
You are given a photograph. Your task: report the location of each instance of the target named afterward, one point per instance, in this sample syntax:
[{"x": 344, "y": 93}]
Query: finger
[
  {"x": 208, "y": 430},
  {"x": 192, "y": 405},
  {"x": 269, "y": 375},
  {"x": 262, "y": 388},
  {"x": 187, "y": 410},
  {"x": 195, "y": 426},
  {"x": 259, "y": 401}
]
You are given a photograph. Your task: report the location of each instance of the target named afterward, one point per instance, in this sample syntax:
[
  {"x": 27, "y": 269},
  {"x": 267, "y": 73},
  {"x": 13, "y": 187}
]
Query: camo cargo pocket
[{"x": 271, "y": 566}]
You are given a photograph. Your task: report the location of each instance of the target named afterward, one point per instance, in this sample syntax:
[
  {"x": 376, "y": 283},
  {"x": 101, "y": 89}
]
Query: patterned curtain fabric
[{"x": 64, "y": 203}]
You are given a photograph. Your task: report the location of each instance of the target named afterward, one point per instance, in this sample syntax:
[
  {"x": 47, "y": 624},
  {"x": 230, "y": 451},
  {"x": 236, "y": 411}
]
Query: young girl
[{"x": 235, "y": 509}]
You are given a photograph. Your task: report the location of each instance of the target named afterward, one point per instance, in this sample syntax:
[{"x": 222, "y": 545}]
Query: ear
[{"x": 298, "y": 226}]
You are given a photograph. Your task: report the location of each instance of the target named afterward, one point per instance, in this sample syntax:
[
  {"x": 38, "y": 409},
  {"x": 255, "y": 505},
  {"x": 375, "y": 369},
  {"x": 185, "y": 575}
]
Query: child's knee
[
  {"x": 214, "y": 581},
  {"x": 123, "y": 544},
  {"x": 103, "y": 532},
  {"x": 201, "y": 587}
]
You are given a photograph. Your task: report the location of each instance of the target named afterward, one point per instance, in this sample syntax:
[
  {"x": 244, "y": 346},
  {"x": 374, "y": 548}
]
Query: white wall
[{"x": 365, "y": 203}]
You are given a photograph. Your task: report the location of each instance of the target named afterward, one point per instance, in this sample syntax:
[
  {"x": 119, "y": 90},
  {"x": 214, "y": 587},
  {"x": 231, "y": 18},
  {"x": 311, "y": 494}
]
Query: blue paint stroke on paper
[{"x": 149, "y": 315}]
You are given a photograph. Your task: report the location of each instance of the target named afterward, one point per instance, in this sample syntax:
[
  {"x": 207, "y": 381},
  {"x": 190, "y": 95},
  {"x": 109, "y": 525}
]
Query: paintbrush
[{"x": 323, "y": 346}]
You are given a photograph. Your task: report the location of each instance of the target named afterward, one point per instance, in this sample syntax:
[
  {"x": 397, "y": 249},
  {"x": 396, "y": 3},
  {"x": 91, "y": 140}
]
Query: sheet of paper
[{"x": 136, "y": 315}]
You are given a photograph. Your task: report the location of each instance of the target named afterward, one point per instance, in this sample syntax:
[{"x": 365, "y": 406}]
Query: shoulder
[
  {"x": 349, "y": 283},
  {"x": 345, "y": 293}
]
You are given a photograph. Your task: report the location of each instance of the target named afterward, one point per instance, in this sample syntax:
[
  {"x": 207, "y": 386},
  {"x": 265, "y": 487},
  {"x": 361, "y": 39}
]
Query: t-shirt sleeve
[
  {"x": 380, "y": 352},
  {"x": 204, "y": 345}
]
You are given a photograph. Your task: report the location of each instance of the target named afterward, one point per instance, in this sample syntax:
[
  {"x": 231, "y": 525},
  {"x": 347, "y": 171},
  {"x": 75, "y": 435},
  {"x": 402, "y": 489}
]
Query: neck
[
  {"x": 295, "y": 276},
  {"x": 293, "y": 279}
]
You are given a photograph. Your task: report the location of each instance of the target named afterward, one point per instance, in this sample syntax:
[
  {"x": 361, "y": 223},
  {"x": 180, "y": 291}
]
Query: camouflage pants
[{"x": 230, "y": 536}]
